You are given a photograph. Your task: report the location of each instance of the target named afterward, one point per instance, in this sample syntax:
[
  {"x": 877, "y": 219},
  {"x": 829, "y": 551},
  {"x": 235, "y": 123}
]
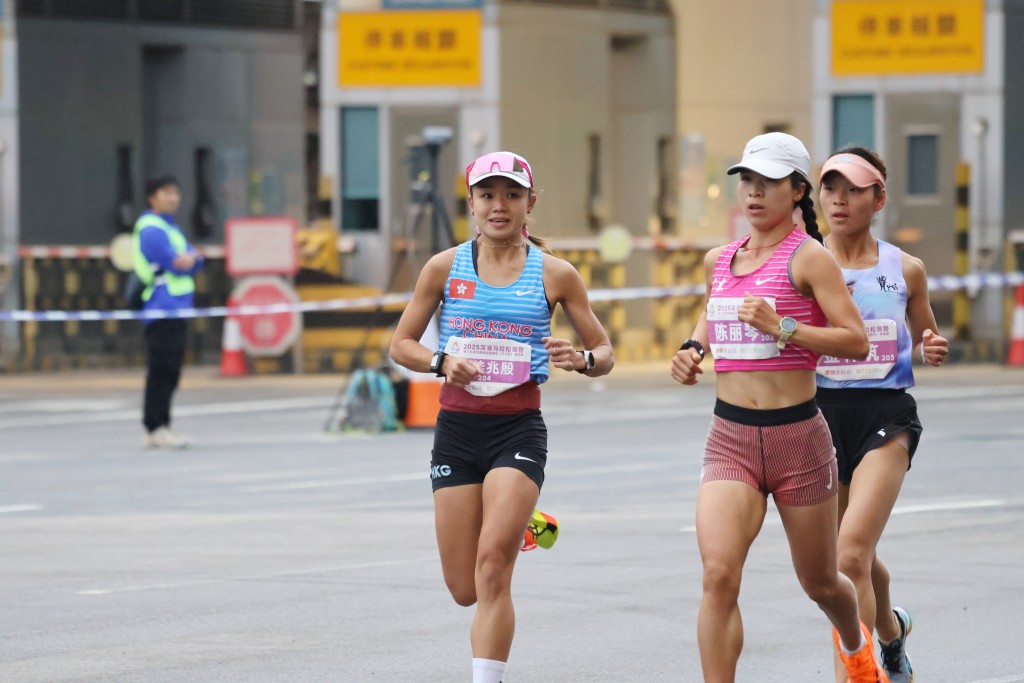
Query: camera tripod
[{"x": 426, "y": 203}]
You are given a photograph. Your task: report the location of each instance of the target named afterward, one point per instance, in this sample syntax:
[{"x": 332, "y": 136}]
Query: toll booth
[
  {"x": 935, "y": 88},
  {"x": 584, "y": 90}
]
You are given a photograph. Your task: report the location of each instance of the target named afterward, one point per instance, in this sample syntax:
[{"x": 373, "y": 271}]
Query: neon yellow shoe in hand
[{"x": 541, "y": 530}]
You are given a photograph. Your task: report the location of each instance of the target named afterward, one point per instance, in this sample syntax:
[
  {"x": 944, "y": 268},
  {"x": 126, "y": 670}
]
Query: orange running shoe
[{"x": 861, "y": 666}]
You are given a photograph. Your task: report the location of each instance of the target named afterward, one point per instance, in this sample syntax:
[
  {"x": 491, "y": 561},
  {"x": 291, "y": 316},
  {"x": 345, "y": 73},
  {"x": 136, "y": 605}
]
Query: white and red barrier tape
[
  {"x": 56, "y": 251},
  {"x": 973, "y": 281}
]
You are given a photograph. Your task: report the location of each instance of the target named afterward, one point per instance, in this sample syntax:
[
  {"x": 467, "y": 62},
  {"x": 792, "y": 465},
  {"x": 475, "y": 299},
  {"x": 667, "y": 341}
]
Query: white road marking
[
  {"x": 19, "y": 508},
  {"x": 331, "y": 483},
  {"x": 963, "y": 505},
  {"x": 64, "y": 406},
  {"x": 907, "y": 509},
  {"x": 201, "y": 410},
  {"x": 956, "y": 393},
  {"x": 1015, "y": 678},
  {"x": 250, "y": 577}
]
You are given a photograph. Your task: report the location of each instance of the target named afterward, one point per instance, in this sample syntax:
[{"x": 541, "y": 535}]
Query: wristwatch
[
  {"x": 588, "y": 358},
  {"x": 436, "y": 362},
  {"x": 787, "y": 326},
  {"x": 693, "y": 344}
]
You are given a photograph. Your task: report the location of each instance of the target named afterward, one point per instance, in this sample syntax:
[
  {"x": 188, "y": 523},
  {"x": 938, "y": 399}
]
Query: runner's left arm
[
  {"x": 816, "y": 273},
  {"x": 924, "y": 336},
  {"x": 565, "y": 287}
]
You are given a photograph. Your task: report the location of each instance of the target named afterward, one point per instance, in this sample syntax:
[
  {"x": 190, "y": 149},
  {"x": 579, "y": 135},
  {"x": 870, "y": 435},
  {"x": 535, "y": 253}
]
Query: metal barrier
[
  {"x": 73, "y": 316},
  {"x": 82, "y": 278}
]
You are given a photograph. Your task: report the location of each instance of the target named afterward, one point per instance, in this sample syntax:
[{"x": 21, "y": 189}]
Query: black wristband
[
  {"x": 437, "y": 362},
  {"x": 693, "y": 344}
]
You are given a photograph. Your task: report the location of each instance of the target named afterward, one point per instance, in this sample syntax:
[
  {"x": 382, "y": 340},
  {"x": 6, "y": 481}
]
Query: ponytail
[
  {"x": 538, "y": 242},
  {"x": 806, "y": 205}
]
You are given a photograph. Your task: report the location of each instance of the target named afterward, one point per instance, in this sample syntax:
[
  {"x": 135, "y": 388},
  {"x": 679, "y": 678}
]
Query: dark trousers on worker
[{"x": 165, "y": 354}]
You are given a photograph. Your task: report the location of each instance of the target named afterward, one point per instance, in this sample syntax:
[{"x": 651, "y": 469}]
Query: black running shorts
[
  {"x": 862, "y": 420},
  {"x": 469, "y": 445}
]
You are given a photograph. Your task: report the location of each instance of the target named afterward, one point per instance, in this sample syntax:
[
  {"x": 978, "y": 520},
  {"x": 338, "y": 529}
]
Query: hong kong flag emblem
[{"x": 461, "y": 289}]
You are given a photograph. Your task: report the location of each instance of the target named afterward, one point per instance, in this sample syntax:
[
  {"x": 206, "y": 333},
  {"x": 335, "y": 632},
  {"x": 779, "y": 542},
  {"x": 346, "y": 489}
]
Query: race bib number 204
[{"x": 505, "y": 363}]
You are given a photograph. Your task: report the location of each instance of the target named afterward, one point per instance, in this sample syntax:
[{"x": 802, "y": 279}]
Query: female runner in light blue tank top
[
  {"x": 873, "y": 420},
  {"x": 496, "y": 293}
]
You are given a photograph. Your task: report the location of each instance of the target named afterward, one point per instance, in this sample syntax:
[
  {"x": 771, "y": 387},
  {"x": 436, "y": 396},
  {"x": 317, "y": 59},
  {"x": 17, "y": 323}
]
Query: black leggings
[{"x": 165, "y": 350}]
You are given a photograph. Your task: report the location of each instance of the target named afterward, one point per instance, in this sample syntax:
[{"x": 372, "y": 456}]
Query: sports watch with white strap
[{"x": 787, "y": 326}]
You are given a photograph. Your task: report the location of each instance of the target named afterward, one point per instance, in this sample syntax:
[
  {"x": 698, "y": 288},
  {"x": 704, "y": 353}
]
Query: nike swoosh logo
[
  {"x": 829, "y": 484},
  {"x": 523, "y": 292},
  {"x": 761, "y": 281},
  {"x": 759, "y": 149},
  {"x": 521, "y": 457}
]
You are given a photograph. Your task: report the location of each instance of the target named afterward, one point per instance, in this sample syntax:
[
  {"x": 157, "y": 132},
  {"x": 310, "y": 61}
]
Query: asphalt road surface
[{"x": 272, "y": 551}]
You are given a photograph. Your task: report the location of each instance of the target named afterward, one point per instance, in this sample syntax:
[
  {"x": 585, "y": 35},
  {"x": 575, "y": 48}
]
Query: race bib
[
  {"x": 737, "y": 340},
  {"x": 505, "y": 363},
  {"x": 881, "y": 358}
]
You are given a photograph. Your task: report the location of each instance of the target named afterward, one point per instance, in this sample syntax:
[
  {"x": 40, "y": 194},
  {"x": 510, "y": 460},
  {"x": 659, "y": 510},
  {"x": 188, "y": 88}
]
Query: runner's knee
[
  {"x": 821, "y": 588},
  {"x": 464, "y": 593},
  {"x": 722, "y": 580},
  {"x": 855, "y": 562},
  {"x": 493, "y": 572}
]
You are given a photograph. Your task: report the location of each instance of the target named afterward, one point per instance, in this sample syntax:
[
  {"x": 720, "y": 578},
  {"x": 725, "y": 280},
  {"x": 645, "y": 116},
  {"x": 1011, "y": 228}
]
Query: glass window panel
[
  {"x": 853, "y": 121},
  {"x": 922, "y": 164}
]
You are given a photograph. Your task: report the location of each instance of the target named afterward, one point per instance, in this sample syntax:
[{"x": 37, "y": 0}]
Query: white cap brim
[
  {"x": 503, "y": 174},
  {"x": 769, "y": 169}
]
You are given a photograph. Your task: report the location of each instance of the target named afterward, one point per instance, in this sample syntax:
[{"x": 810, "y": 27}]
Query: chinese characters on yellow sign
[
  {"x": 409, "y": 48},
  {"x": 885, "y": 37}
]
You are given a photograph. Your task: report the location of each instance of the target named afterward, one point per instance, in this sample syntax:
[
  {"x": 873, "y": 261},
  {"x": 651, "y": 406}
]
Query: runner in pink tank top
[{"x": 767, "y": 294}]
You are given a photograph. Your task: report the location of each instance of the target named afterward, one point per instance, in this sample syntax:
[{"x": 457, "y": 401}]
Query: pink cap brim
[{"x": 855, "y": 169}]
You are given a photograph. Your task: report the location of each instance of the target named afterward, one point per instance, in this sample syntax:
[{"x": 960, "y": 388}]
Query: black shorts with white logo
[
  {"x": 469, "y": 445},
  {"x": 862, "y": 420}
]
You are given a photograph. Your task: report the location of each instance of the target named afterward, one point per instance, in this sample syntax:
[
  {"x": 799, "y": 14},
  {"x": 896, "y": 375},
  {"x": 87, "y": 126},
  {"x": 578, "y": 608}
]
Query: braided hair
[{"x": 806, "y": 205}]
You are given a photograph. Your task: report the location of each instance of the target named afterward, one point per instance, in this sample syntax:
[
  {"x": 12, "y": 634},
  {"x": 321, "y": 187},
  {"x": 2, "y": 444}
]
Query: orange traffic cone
[
  {"x": 232, "y": 358},
  {"x": 424, "y": 400},
  {"x": 1016, "y": 356}
]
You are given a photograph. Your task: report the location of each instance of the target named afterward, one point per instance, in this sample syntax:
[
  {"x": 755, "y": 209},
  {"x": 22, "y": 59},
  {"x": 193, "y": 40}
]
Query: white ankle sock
[
  {"x": 487, "y": 670},
  {"x": 849, "y": 652}
]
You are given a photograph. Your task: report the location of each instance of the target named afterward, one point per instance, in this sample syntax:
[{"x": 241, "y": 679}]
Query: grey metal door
[{"x": 922, "y": 151}]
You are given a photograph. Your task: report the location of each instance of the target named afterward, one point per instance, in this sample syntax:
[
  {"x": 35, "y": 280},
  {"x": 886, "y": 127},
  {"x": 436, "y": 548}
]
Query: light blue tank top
[
  {"x": 881, "y": 294},
  {"x": 473, "y": 308}
]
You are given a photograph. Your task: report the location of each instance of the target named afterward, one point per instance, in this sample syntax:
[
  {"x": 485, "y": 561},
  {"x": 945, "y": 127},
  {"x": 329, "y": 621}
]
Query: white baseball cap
[{"x": 775, "y": 156}]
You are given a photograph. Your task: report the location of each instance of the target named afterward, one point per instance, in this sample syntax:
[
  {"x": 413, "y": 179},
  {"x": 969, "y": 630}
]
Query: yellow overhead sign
[
  {"x": 409, "y": 48},
  {"x": 886, "y": 37}
]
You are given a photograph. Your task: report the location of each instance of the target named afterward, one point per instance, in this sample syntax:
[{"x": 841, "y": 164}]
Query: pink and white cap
[
  {"x": 854, "y": 168},
  {"x": 504, "y": 164}
]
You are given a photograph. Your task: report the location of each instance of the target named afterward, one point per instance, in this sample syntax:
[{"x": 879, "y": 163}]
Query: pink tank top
[{"x": 738, "y": 346}]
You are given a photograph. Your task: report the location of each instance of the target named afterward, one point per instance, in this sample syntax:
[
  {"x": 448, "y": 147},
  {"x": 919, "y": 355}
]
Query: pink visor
[
  {"x": 504, "y": 164},
  {"x": 855, "y": 169}
]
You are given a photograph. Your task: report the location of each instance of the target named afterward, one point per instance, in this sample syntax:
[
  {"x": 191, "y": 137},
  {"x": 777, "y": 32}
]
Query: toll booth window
[
  {"x": 853, "y": 121},
  {"x": 922, "y": 164},
  {"x": 360, "y": 169}
]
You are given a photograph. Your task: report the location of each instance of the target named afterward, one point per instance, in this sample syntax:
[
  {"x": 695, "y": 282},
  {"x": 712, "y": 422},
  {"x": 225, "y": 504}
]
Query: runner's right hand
[
  {"x": 686, "y": 366},
  {"x": 460, "y": 371}
]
